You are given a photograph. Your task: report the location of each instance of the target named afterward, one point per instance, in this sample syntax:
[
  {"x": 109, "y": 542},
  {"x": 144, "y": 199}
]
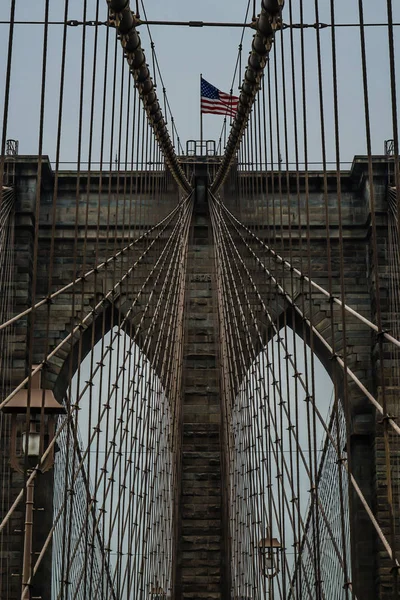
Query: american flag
[{"x": 217, "y": 102}]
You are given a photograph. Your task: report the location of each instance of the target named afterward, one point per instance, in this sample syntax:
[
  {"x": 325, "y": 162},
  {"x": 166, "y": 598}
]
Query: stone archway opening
[
  {"x": 284, "y": 475},
  {"x": 114, "y": 527}
]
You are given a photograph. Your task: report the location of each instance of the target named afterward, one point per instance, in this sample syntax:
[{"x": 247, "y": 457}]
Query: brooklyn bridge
[{"x": 199, "y": 332}]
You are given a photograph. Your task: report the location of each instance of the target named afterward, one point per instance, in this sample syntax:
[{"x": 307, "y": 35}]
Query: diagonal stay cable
[
  {"x": 85, "y": 320},
  {"x": 92, "y": 272},
  {"x": 328, "y": 432},
  {"x": 315, "y": 285},
  {"x": 228, "y": 253},
  {"x": 233, "y": 252},
  {"x": 74, "y": 408},
  {"x": 333, "y": 354},
  {"x": 139, "y": 416}
]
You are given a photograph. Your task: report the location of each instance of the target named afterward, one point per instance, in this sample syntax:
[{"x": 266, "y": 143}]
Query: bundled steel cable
[
  {"x": 125, "y": 22},
  {"x": 267, "y": 23}
]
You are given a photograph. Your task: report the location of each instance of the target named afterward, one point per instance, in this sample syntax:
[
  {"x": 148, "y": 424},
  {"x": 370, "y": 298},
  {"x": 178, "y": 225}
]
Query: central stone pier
[{"x": 200, "y": 544}]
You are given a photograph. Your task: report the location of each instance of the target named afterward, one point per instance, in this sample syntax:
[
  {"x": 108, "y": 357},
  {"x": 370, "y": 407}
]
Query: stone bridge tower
[{"x": 203, "y": 551}]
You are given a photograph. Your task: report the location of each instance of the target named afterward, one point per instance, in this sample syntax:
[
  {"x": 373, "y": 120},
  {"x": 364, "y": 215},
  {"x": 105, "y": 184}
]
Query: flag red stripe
[
  {"x": 219, "y": 111},
  {"x": 233, "y": 99},
  {"x": 224, "y": 103},
  {"x": 211, "y": 104},
  {"x": 228, "y": 101},
  {"x": 218, "y": 107}
]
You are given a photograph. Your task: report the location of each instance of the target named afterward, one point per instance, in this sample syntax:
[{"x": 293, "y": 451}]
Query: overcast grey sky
[
  {"x": 213, "y": 52},
  {"x": 183, "y": 54}
]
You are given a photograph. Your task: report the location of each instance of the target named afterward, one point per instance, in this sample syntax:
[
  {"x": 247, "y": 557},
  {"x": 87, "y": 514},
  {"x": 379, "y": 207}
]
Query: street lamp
[
  {"x": 39, "y": 431},
  {"x": 34, "y": 437},
  {"x": 268, "y": 550}
]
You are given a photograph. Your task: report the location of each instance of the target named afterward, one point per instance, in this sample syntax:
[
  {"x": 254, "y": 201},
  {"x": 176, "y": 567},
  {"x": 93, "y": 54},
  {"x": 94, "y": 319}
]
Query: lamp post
[
  {"x": 268, "y": 550},
  {"x": 28, "y": 440}
]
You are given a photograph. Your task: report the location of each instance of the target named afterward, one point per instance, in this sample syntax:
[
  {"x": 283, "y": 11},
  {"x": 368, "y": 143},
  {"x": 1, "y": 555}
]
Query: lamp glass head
[{"x": 31, "y": 442}]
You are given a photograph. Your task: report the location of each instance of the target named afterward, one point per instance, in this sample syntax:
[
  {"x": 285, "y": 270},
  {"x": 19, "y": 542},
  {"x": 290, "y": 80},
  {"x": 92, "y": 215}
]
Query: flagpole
[{"x": 201, "y": 121}]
